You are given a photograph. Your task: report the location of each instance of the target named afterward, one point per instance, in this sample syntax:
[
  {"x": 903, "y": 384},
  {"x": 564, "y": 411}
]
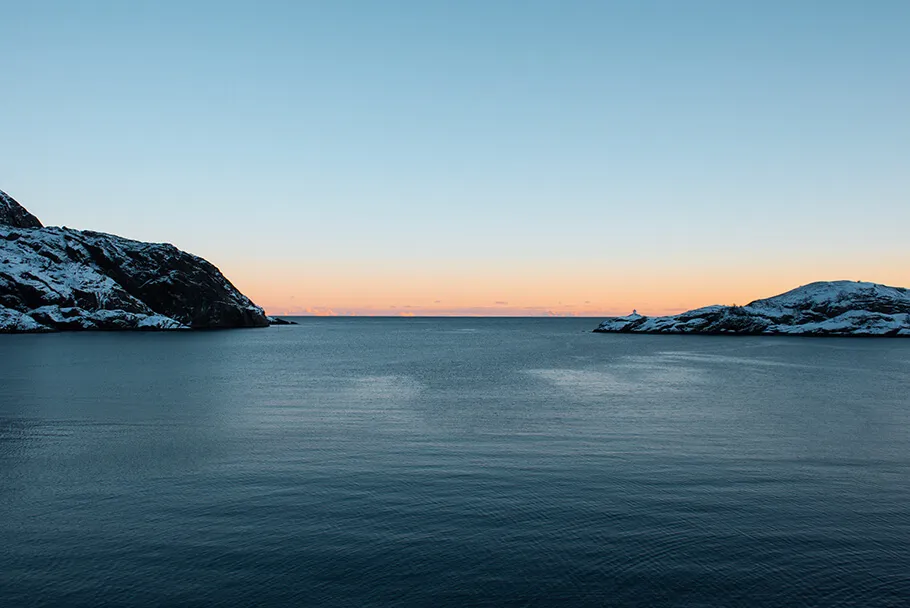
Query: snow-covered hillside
[
  {"x": 827, "y": 308},
  {"x": 59, "y": 278}
]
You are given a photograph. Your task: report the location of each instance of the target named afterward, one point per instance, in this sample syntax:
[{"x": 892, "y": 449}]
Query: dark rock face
[
  {"x": 63, "y": 279},
  {"x": 15, "y": 215},
  {"x": 832, "y": 308}
]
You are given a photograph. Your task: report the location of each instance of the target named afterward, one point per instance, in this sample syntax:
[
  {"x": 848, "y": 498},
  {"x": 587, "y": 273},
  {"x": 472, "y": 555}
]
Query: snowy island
[
  {"x": 54, "y": 279},
  {"x": 826, "y": 308}
]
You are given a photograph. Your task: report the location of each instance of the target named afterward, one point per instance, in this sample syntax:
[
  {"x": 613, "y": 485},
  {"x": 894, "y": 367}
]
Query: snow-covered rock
[
  {"x": 13, "y": 321},
  {"x": 64, "y": 279},
  {"x": 826, "y": 308}
]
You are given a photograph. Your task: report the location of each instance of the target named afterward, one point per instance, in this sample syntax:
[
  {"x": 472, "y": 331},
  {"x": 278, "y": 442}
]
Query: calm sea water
[{"x": 453, "y": 462}]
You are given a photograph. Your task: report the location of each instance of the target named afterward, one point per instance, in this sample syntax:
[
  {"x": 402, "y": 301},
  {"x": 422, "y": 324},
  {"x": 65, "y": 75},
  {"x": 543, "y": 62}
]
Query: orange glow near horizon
[{"x": 538, "y": 289}]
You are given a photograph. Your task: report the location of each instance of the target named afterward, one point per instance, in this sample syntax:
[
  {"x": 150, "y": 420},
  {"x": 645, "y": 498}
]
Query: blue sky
[{"x": 362, "y": 155}]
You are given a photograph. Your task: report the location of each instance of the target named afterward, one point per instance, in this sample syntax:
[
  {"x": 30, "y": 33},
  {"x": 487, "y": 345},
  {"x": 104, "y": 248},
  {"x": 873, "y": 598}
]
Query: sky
[{"x": 473, "y": 157}]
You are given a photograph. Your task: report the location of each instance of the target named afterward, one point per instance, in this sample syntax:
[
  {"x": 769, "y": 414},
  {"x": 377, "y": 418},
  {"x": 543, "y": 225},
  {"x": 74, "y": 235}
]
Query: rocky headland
[
  {"x": 54, "y": 279},
  {"x": 826, "y": 308}
]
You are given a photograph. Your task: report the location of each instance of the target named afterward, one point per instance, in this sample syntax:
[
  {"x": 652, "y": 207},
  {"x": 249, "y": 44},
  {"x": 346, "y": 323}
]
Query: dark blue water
[{"x": 453, "y": 462}]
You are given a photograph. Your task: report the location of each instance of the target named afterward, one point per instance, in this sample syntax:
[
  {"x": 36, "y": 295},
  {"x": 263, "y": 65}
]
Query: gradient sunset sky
[{"x": 495, "y": 157}]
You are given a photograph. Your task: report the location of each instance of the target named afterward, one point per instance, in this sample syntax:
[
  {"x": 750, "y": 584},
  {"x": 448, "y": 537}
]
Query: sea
[{"x": 453, "y": 462}]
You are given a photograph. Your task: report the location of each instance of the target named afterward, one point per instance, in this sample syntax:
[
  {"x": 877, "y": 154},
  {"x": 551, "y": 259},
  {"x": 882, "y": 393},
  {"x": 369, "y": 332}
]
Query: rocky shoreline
[{"x": 826, "y": 308}]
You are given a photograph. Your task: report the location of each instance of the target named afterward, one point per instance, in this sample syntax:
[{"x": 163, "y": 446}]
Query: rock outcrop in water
[
  {"x": 827, "y": 308},
  {"x": 55, "y": 279},
  {"x": 281, "y": 321}
]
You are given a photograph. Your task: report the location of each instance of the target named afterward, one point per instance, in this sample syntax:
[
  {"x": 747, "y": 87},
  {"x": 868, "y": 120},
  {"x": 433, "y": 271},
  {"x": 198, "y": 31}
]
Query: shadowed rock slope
[
  {"x": 13, "y": 214},
  {"x": 55, "y": 279},
  {"x": 827, "y": 308}
]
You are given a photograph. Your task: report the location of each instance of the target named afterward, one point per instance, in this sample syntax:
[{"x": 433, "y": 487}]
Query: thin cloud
[
  {"x": 319, "y": 312},
  {"x": 557, "y": 313}
]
